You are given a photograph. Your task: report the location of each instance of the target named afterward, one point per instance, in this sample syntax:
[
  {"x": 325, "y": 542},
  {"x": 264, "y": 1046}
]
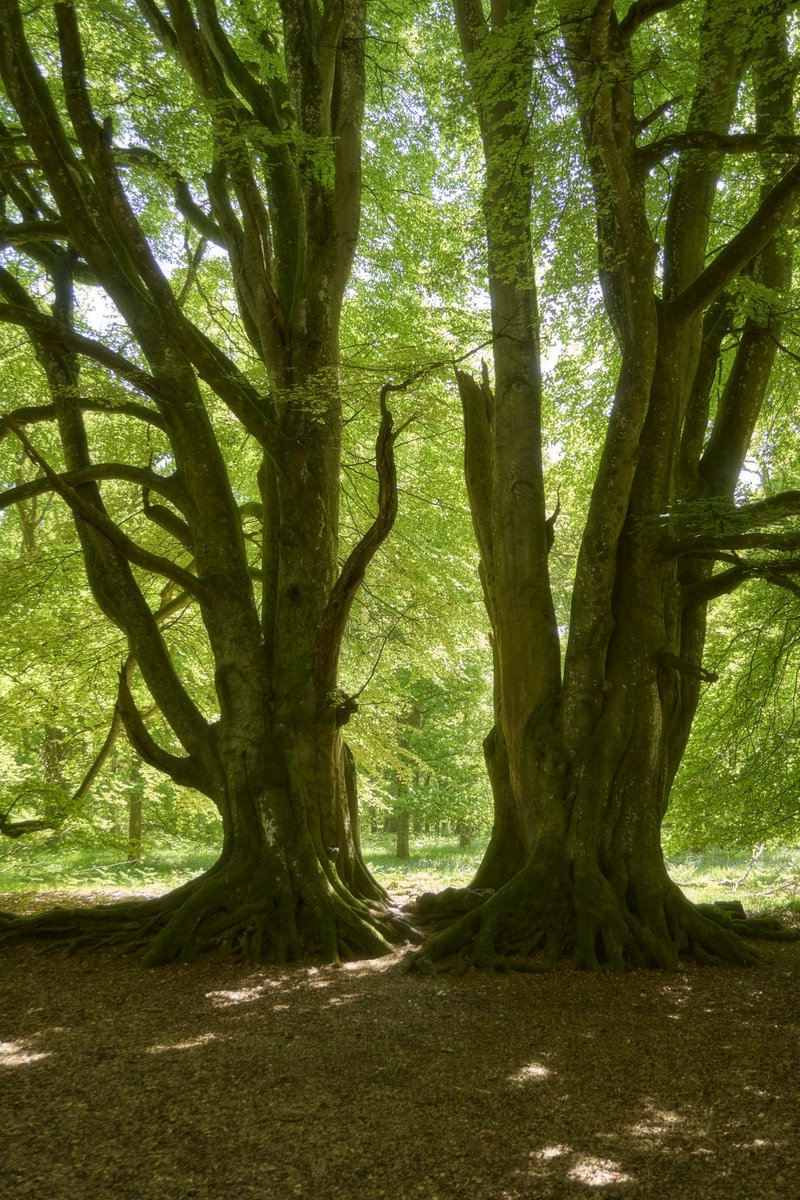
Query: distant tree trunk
[
  {"x": 403, "y": 848},
  {"x": 135, "y": 813}
]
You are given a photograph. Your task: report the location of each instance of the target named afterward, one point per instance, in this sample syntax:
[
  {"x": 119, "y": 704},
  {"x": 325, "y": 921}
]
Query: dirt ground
[{"x": 214, "y": 1080}]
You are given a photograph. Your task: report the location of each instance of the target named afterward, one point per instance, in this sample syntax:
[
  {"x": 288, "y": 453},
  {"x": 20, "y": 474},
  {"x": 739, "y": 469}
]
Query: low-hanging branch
[
  {"x": 74, "y": 479},
  {"x": 185, "y": 771},
  {"x": 170, "y": 607},
  {"x": 93, "y": 516},
  {"x": 33, "y": 414}
]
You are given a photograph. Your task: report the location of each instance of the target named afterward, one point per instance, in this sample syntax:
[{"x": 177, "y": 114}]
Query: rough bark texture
[{"x": 582, "y": 766}]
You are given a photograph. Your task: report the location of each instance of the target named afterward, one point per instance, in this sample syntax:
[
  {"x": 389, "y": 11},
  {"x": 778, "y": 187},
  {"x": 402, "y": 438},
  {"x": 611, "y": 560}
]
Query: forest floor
[{"x": 219, "y": 1081}]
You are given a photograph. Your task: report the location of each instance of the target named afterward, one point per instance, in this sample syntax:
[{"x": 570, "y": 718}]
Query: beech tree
[
  {"x": 694, "y": 196},
  {"x": 265, "y": 193}
]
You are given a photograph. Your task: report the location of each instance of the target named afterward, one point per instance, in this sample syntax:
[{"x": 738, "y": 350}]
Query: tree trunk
[
  {"x": 582, "y": 767},
  {"x": 402, "y": 846},
  {"x": 283, "y": 202}
]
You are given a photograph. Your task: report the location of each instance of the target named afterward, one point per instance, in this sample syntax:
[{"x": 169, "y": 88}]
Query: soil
[{"x": 219, "y": 1081}]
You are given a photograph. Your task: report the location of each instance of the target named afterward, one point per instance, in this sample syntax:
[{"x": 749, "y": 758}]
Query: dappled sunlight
[
  {"x": 20, "y": 1054},
  {"x": 656, "y": 1123},
  {"x": 598, "y": 1172},
  {"x": 547, "y": 1153},
  {"x": 532, "y": 1071},
  {"x": 243, "y": 995},
  {"x": 202, "y": 1039},
  {"x": 587, "y": 1169}
]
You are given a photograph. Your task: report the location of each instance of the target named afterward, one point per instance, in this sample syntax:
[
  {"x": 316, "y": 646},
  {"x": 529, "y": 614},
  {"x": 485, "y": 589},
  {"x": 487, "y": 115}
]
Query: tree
[
  {"x": 694, "y": 183},
  {"x": 232, "y": 416}
]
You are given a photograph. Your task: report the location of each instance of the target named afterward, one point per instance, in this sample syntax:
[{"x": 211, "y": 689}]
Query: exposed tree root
[
  {"x": 230, "y": 911},
  {"x": 542, "y": 917}
]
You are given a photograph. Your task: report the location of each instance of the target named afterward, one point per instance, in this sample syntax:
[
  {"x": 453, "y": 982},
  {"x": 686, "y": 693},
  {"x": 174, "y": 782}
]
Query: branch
[
  {"x": 709, "y": 547},
  {"x": 168, "y": 520},
  {"x": 74, "y": 479},
  {"x": 776, "y": 208},
  {"x": 15, "y": 829},
  {"x": 344, "y": 591},
  {"x": 167, "y": 609},
  {"x": 644, "y": 10},
  {"x": 93, "y": 516},
  {"x": 57, "y": 336},
  {"x": 34, "y": 413},
  {"x": 727, "y": 143},
  {"x": 20, "y": 232},
  {"x": 187, "y": 772},
  {"x": 141, "y": 156}
]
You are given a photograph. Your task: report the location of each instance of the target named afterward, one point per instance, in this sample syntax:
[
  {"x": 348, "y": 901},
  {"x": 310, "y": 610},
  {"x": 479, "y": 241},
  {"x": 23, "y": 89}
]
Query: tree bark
[{"x": 582, "y": 767}]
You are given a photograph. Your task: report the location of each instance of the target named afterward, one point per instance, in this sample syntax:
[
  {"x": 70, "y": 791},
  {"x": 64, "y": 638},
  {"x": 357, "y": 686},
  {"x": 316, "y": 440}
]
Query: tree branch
[
  {"x": 727, "y": 143},
  {"x": 93, "y": 516},
  {"x": 777, "y": 207},
  {"x": 343, "y": 593},
  {"x": 644, "y": 10},
  {"x": 74, "y": 479},
  {"x": 141, "y": 156},
  {"x": 32, "y": 414},
  {"x": 57, "y": 336},
  {"x": 185, "y": 771}
]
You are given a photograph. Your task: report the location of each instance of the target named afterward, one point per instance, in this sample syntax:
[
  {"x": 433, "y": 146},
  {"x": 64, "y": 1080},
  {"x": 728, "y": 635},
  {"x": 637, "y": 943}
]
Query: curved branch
[
  {"x": 32, "y": 414},
  {"x": 343, "y": 593},
  {"x": 168, "y": 520},
  {"x": 187, "y": 206},
  {"x": 772, "y": 212},
  {"x": 74, "y": 479},
  {"x": 57, "y": 336},
  {"x": 91, "y": 515},
  {"x": 644, "y": 10},
  {"x": 185, "y": 771}
]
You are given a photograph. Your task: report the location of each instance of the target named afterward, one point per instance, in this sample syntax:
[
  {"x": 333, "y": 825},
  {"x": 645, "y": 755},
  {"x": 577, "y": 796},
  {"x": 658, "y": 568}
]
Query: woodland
[{"x": 398, "y": 416}]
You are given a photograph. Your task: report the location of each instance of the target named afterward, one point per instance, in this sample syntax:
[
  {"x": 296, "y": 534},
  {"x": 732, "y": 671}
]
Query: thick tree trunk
[
  {"x": 595, "y": 888},
  {"x": 581, "y": 768},
  {"x": 283, "y": 201}
]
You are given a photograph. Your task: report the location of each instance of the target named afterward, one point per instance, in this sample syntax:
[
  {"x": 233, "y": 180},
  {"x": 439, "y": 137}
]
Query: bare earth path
[{"x": 215, "y": 1080}]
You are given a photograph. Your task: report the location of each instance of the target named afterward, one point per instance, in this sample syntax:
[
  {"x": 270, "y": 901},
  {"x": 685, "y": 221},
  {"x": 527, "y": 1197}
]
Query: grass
[
  {"x": 68, "y": 867},
  {"x": 764, "y": 882},
  {"x": 435, "y": 863}
]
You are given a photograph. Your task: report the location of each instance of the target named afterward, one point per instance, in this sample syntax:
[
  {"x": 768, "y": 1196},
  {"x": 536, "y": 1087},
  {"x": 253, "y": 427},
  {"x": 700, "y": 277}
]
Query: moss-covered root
[
  {"x": 227, "y": 913},
  {"x": 538, "y": 920}
]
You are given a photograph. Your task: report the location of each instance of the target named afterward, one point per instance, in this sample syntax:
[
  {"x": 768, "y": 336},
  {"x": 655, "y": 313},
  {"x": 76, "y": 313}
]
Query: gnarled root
[
  {"x": 233, "y": 910},
  {"x": 543, "y": 916}
]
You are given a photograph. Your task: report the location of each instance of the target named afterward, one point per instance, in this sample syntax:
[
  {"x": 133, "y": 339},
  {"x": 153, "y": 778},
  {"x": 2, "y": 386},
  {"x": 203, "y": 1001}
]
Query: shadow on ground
[{"x": 217, "y": 1081}]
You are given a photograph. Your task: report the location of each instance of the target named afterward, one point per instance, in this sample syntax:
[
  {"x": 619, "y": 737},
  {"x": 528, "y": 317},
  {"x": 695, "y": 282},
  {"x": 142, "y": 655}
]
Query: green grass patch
[
  {"x": 435, "y": 863},
  {"x": 766, "y": 881},
  {"x": 41, "y": 868}
]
